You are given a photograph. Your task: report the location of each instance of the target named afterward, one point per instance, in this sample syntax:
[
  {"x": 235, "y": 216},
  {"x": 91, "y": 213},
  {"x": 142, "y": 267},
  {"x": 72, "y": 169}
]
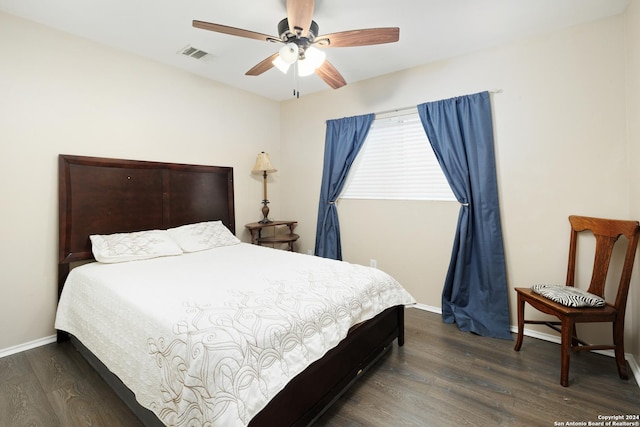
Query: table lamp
[{"x": 264, "y": 166}]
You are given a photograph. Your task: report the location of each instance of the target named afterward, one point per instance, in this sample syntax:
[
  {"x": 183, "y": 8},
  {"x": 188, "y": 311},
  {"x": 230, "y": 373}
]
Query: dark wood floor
[{"x": 441, "y": 377}]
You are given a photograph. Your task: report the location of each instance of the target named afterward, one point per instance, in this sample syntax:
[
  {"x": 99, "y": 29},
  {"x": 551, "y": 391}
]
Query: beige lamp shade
[{"x": 263, "y": 164}]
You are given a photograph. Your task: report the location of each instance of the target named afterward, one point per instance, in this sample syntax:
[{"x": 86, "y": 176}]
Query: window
[{"x": 397, "y": 162}]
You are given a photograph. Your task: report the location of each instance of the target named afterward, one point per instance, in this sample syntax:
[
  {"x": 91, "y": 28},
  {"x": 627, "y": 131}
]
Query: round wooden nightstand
[{"x": 277, "y": 238}]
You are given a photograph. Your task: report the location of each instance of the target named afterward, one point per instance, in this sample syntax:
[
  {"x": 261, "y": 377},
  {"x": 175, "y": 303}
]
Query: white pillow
[
  {"x": 121, "y": 247},
  {"x": 203, "y": 235}
]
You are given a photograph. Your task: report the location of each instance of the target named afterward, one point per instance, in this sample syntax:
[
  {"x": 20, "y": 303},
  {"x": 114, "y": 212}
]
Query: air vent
[{"x": 195, "y": 53}]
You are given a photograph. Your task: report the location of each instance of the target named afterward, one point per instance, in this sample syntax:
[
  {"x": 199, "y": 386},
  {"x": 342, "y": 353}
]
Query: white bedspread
[{"x": 210, "y": 337}]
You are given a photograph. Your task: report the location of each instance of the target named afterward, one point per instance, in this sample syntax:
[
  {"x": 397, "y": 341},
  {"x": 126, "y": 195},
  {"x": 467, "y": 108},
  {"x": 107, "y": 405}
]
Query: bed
[{"x": 138, "y": 329}]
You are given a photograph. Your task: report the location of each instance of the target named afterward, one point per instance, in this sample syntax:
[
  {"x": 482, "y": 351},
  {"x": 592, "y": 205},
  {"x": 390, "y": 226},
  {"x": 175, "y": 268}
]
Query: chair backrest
[{"x": 606, "y": 232}]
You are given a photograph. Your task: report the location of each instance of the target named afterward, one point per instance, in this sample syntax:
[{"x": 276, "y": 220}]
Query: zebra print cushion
[{"x": 568, "y": 295}]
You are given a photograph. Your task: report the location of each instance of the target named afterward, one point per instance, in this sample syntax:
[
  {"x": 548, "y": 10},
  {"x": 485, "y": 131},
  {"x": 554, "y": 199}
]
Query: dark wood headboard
[{"x": 103, "y": 196}]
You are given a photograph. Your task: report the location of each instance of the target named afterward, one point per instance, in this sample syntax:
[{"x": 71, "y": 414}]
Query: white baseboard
[
  {"x": 27, "y": 346},
  {"x": 430, "y": 308},
  {"x": 635, "y": 369}
]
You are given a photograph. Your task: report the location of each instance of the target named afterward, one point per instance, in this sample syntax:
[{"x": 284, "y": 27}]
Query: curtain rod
[{"x": 414, "y": 107}]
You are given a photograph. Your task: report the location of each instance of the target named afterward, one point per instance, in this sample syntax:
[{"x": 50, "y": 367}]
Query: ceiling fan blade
[
  {"x": 262, "y": 66},
  {"x": 233, "y": 31},
  {"x": 330, "y": 75},
  {"x": 300, "y": 15},
  {"x": 365, "y": 37}
]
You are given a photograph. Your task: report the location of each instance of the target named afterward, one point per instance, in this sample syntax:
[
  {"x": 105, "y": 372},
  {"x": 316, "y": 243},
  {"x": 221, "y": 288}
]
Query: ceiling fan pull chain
[{"x": 296, "y": 91}]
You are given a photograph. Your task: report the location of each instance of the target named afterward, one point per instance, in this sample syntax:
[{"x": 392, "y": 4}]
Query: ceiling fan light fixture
[
  {"x": 281, "y": 65},
  {"x": 289, "y": 53},
  {"x": 316, "y": 56},
  {"x": 313, "y": 58},
  {"x": 305, "y": 68}
]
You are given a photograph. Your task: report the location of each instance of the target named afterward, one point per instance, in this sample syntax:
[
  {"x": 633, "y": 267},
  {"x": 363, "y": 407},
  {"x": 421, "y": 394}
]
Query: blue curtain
[
  {"x": 475, "y": 290},
  {"x": 343, "y": 140}
]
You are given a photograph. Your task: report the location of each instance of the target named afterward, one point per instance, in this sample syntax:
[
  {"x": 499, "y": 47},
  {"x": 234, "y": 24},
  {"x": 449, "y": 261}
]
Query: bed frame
[{"x": 103, "y": 196}]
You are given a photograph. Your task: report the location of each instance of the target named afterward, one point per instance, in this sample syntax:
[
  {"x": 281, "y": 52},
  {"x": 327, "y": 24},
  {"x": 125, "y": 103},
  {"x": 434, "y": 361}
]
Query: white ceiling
[{"x": 430, "y": 30}]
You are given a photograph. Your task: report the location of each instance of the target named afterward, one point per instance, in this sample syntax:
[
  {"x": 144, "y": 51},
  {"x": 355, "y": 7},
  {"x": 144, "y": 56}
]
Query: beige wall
[
  {"x": 633, "y": 135},
  {"x": 63, "y": 94},
  {"x": 560, "y": 146}
]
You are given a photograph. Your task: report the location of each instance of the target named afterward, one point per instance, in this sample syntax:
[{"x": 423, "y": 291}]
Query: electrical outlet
[{"x": 373, "y": 263}]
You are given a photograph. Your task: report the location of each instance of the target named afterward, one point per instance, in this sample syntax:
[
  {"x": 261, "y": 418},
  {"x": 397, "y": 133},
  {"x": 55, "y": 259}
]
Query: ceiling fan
[{"x": 299, "y": 35}]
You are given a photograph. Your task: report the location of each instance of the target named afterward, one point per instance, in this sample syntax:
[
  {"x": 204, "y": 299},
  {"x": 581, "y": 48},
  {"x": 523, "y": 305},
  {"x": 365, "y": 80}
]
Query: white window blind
[{"x": 397, "y": 162}]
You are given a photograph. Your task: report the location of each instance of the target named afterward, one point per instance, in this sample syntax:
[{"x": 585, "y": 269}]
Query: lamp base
[{"x": 265, "y": 213}]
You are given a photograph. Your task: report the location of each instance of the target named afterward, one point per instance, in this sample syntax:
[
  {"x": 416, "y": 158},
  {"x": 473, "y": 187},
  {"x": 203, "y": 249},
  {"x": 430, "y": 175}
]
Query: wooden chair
[{"x": 606, "y": 232}]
